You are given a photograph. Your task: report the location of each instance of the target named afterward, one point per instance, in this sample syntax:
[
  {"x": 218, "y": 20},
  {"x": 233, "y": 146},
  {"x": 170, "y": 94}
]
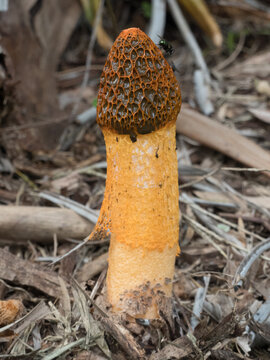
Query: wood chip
[{"x": 24, "y": 272}]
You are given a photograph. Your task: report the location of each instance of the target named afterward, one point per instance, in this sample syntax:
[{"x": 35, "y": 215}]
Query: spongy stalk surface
[{"x": 141, "y": 202}]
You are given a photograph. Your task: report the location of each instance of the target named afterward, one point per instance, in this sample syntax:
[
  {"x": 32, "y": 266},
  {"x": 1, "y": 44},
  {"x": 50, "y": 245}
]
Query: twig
[
  {"x": 214, "y": 203},
  {"x": 199, "y": 179},
  {"x": 86, "y": 117},
  {"x": 233, "y": 55},
  {"x": 80, "y": 209},
  {"x": 220, "y": 219},
  {"x": 56, "y": 353},
  {"x": 244, "y": 169},
  {"x": 205, "y": 219},
  {"x": 35, "y": 124},
  {"x": 193, "y": 340},
  {"x": 77, "y": 247},
  {"x": 188, "y": 36},
  {"x": 227, "y": 188},
  {"x": 158, "y": 19},
  {"x": 78, "y": 287},
  {"x": 248, "y": 218},
  {"x": 202, "y": 79},
  {"x": 216, "y": 136},
  {"x": 216, "y": 246},
  {"x": 246, "y": 263},
  {"x": 199, "y": 226}
]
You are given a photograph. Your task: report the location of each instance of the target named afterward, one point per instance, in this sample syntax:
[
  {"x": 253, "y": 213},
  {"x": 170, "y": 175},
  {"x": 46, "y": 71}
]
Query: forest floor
[{"x": 221, "y": 289}]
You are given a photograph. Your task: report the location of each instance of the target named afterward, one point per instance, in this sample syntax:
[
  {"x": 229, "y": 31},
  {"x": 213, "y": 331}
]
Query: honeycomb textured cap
[{"x": 138, "y": 91}]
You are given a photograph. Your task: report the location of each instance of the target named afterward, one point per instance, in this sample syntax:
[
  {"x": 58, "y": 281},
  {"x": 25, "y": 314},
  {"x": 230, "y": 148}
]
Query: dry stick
[
  {"x": 205, "y": 219},
  {"x": 207, "y": 238},
  {"x": 195, "y": 225},
  {"x": 246, "y": 263},
  {"x": 80, "y": 209},
  {"x": 188, "y": 37},
  {"x": 227, "y": 240},
  {"x": 60, "y": 351},
  {"x": 220, "y": 219},
  {"x": 214, "y": 203},
  {"x": 158, "y": 20},
  {"x": 118, "y": 331},
  {"x": 202, "y": 78},
  {"x": 227, "y": 188},
  {"x": 39, "y": 224},
  {"x": 244, "y": 169},
  {"x": 248, "y": 218},
  {"x": 233, "y": 55},
  {"x": 199, "y": 179},
  {"x": 92, "y": 302},
  {"x": 216, "y": 136},
  {"x": 77, "y": 247},
  {"x": 198, "y": 227}
]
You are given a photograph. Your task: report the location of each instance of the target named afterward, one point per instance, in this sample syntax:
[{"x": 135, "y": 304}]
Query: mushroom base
[{"x": 142, "y": 281}]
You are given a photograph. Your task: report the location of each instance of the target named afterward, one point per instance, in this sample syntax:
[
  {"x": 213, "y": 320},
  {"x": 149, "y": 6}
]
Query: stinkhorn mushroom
[{"x": 138, "y": 102}]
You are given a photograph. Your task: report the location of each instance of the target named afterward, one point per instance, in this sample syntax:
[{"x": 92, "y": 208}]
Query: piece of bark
[
  {"x": 216, "y": 136},
  {"x": 33, "y": 35},
  {"x": 124, "y": 338},
  {"x": 24, "y": 272},
  {"x": 92, "y": 268},
  {"x": 177, "y": 349},
  {"x": 224, "y": 355},
  {"x": 39, "y": 224},
  {"x": 203, "y": 341}
]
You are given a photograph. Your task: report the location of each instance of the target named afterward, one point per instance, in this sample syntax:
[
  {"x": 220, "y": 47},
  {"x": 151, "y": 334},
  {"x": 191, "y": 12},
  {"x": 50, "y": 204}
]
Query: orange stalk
[{"x": 138, "y": 102}]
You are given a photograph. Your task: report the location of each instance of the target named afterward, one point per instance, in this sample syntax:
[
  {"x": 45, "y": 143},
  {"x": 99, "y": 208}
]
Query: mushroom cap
[{"x": 138, "y": 91}]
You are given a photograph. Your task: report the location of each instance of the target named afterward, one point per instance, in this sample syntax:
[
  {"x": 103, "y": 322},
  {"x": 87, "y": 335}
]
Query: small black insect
[
  {"x": 133, "y": 137},
  {"x": 165, "y": 46}
]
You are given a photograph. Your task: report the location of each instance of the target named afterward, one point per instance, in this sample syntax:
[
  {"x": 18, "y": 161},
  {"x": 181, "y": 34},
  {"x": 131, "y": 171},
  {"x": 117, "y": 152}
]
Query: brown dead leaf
[{"x": 262, "y": 201}]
